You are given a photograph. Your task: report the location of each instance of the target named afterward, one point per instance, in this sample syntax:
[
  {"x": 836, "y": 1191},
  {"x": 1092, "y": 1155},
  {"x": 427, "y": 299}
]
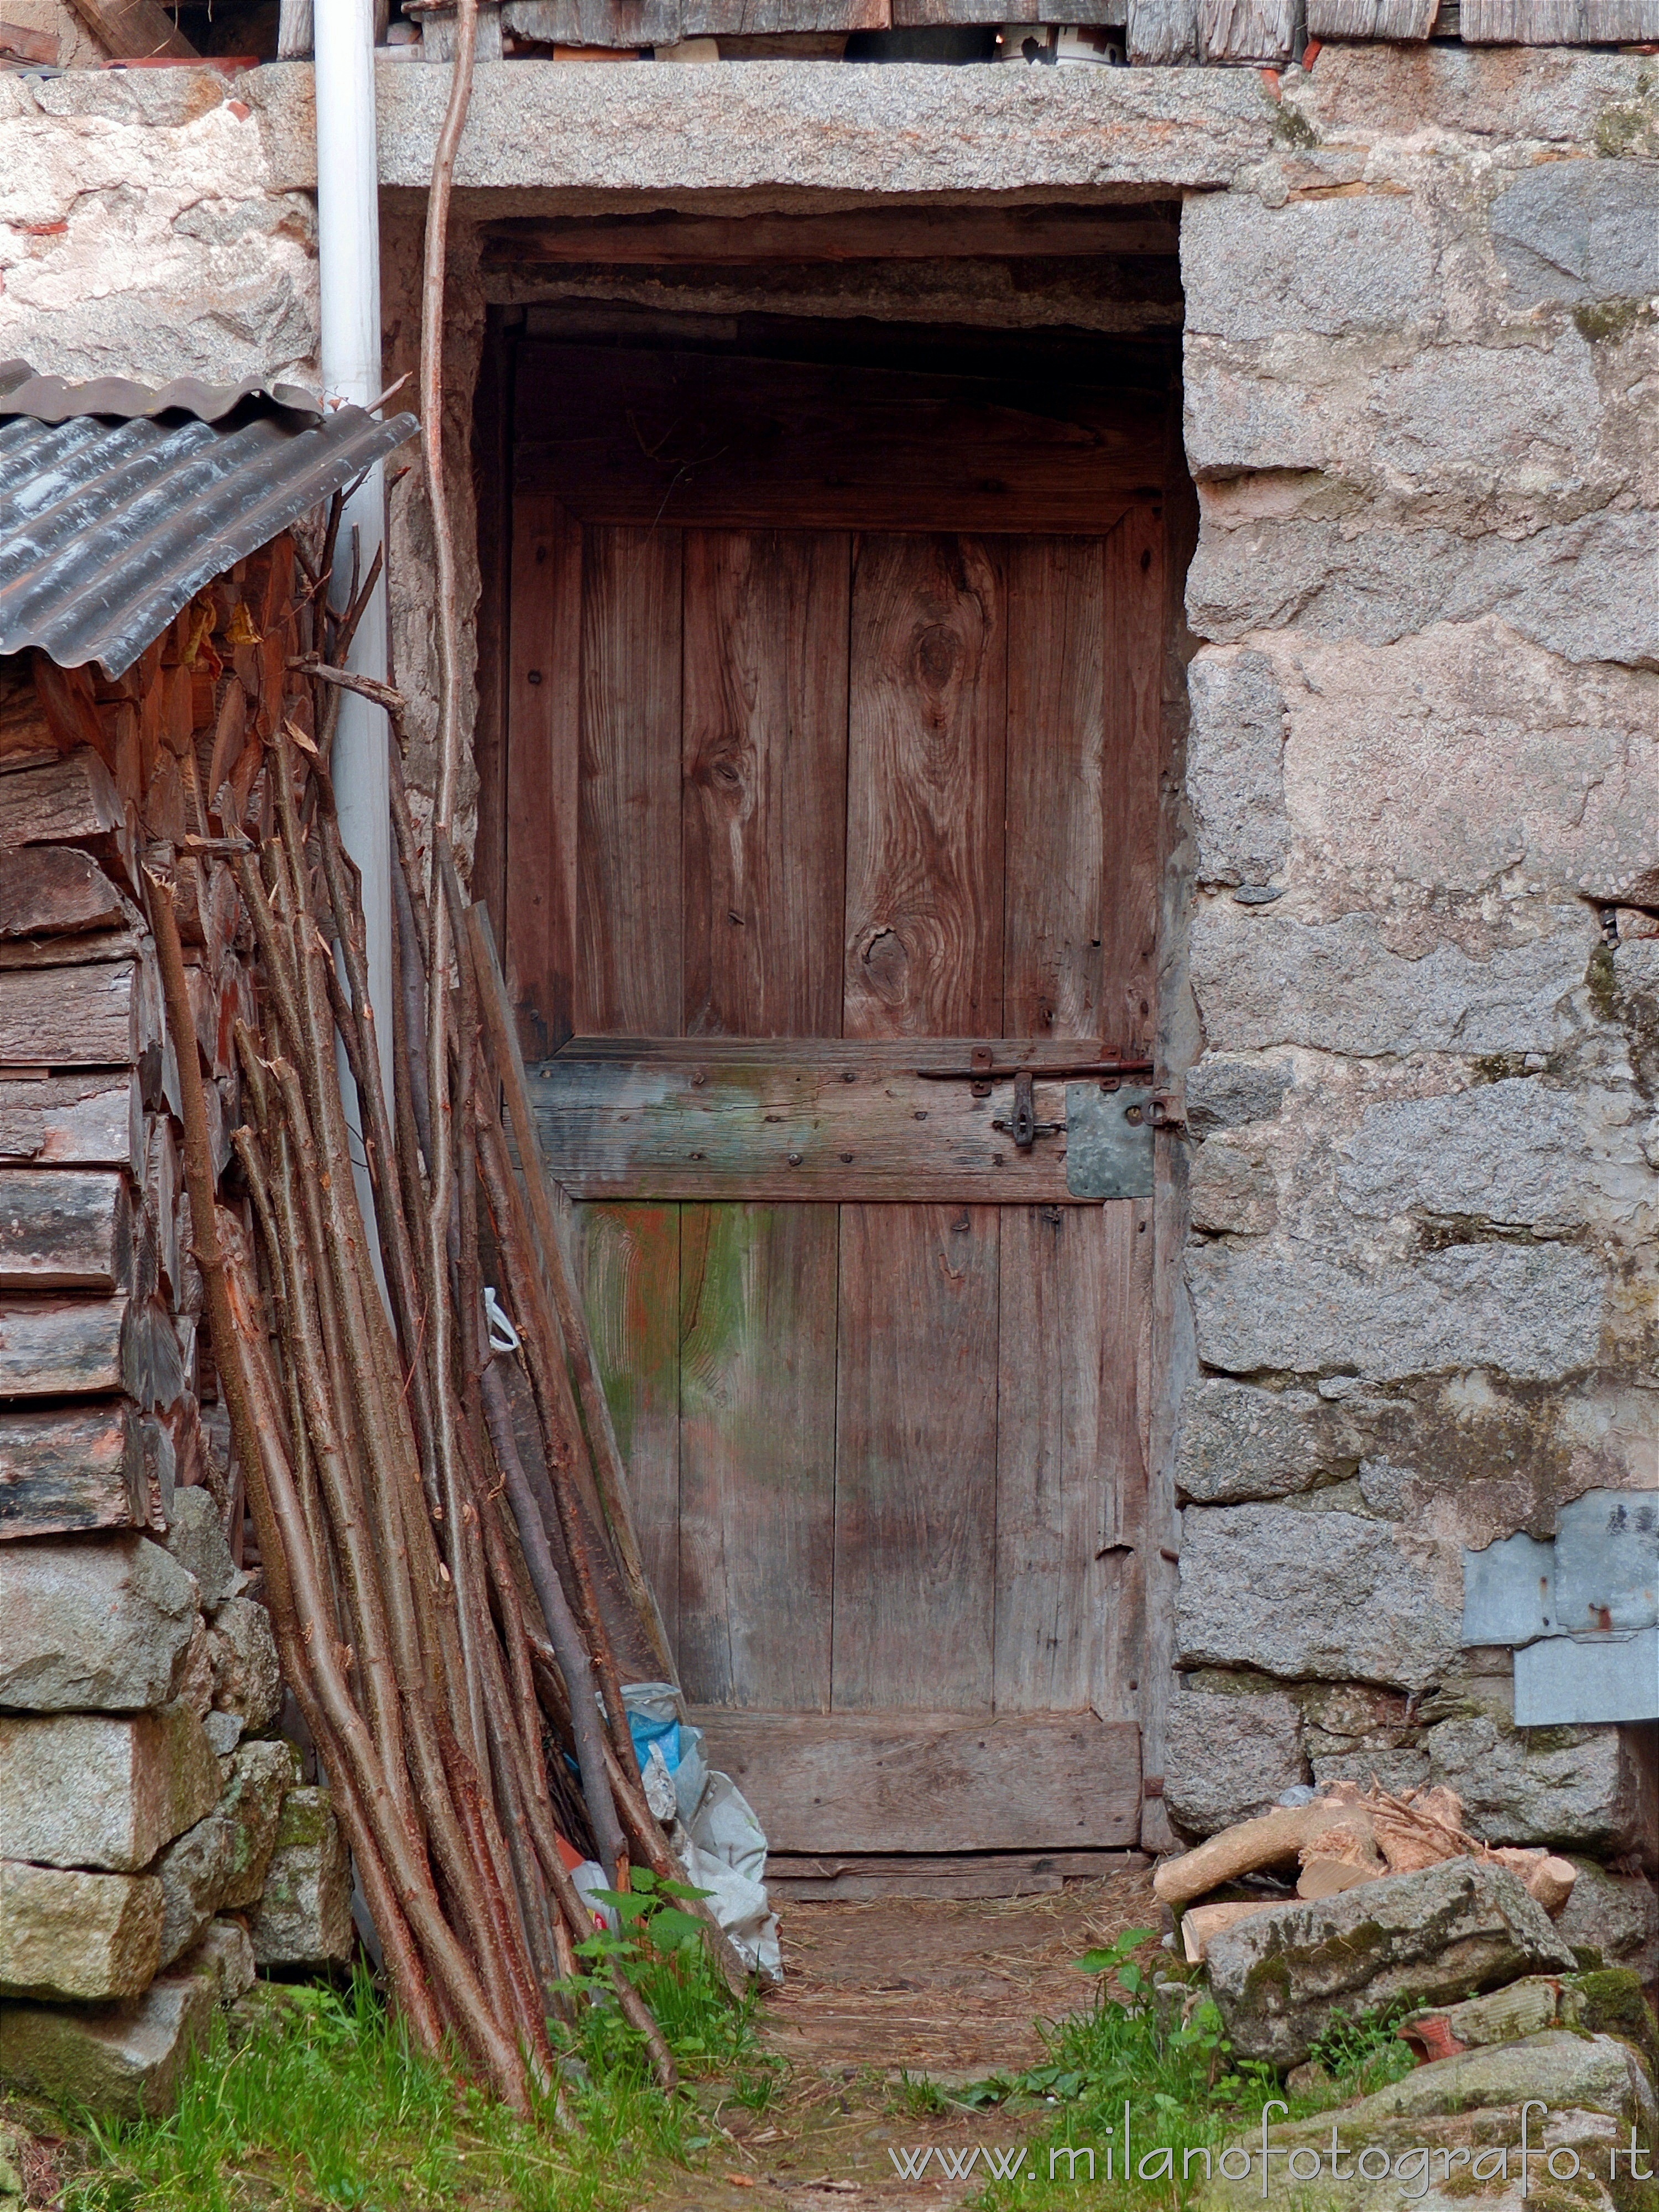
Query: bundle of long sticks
[{"x": 445, "y": 1537}]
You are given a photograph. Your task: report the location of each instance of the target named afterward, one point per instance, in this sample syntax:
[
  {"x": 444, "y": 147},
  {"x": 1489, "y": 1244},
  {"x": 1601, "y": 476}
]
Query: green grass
[
  {"x": 311, "y": 2097},
  {"x": 1165, "y": 2052}
]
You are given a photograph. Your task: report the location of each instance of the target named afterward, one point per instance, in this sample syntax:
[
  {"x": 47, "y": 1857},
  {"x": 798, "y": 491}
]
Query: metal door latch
[{"x": 1025, "y": 1128}]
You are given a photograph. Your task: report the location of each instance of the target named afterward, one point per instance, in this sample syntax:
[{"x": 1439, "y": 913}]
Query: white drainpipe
[{"x": 348, "y": 268}]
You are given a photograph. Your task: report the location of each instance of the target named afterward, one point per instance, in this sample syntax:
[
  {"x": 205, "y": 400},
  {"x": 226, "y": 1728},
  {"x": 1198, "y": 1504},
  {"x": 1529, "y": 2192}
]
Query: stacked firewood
[
  {"x": 1337, "y": 1840},
  {"x": 441, "y": 1520}
]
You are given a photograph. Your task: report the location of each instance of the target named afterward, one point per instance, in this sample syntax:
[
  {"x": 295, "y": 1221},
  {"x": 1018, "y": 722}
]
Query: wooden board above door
[{"x": 623, "y": 436}]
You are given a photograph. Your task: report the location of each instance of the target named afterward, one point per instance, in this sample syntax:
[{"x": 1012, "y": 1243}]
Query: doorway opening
[{"x": 825, "y": 721}]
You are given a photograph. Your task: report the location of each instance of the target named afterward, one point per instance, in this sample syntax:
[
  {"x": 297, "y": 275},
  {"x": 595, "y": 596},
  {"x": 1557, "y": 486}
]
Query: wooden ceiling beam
[{"x": 665, "y": 237}]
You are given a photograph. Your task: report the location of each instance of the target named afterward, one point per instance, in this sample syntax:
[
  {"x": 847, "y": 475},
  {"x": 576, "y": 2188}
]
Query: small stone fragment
[
  {"x": 194, "y": 1871},
  {"x": 261, "y": 1777},
  {"x": 95, "y": 1789},
  {"x": 64, "y": 1933},
  {"x": 1229, "y": 1756},
  {"x": 195, "y": 1675},
  {"x": 303, "y": 1917},
  {"x": 248, "y": 1676},
  {"x": 225, "y": 1951},
  {"x": 224, "y": 1732},
  {"x": 98, "y": 1625},
  {"x": 197, "y": 1540},
  {"x": 123, "y": 2061}
]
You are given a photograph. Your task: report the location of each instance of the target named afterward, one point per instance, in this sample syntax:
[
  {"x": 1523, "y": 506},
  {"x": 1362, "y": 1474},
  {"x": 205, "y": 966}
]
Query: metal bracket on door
[{"x": 1108, "y": 1140}]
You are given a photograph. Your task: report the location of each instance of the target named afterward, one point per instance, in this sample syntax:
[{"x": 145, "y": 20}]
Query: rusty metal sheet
[
  {"x": 1606, "y": 1561},
  {"x": 1508, "y": 1592},
  {"x": 1563, "y": 1680}
]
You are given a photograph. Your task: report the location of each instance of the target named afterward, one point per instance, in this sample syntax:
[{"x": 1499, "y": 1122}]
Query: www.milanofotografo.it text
[{"x": 1415, "y": 2170}]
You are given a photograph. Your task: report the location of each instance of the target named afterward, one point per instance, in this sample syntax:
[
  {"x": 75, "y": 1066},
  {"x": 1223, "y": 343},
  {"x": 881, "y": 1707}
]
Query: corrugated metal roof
[{"x": 107, "y": 528}]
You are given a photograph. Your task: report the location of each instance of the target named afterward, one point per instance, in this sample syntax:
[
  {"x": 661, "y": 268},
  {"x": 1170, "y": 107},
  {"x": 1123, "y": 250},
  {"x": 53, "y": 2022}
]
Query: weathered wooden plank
[
  {"x": 628, "y": 902},
  {"x": 53, "y": 890},
  {"x": 1247, "y": 30},
  {"x": 765, "y": 781},
  {"x": 1558, "y": 22},
  {"x": 67, "y": 801},
  {"x": 61, "y": 1347},
  {"x": 929, "y": 1781},
  {"x": 1161, "y": 32},
  {"x": 852, "y": 1876},
  {"x": 1129, "y": 774},
  {"x": 806, "y": 1128},
  {"x": 663, "y": 236},
  {"x": 611, "y": 24},
  {"x": 757, "y": 1454},
  {"x": 136, "y": 30},
  {"x": 64, "y": 1229},
  {"x": 934, "y": 1056},
  {"x": 1056, "y": 678},
  {"x": 543, "y": 688},
  {"x": 80, "y": 1468},
  {"x": 733, "y": 19},
  {"x": 927, "y": 712},
  {"x": 628, "y": 1265},
  {"x": 85, "y": 1017},
  {"x": 1399, "y": 20},
  {"x": 915, "y": 1429},
  {"x": 73, "y": 1120},
  {"x": 1067, "y": 1449},
  {"x": 664, "y": 438}
]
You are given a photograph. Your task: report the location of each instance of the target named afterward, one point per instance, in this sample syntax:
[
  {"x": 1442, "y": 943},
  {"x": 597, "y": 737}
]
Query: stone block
[
  {"x": 197, "y": 1539},
  {"x": 1336, "y": 986},
  {"x": 194, "y": 1872},
  {"x": 1615, "y": 1915},
  {"x": 1238, "y": 1441},
  {"x": 1356, "y": 264},
  {"x": 1453, "y": 2119},
  {"x": 1230, "y": 1094},
  {"x": 1580, "y": 230},
  {"x": 1397, "y": 1771},
  {"x": 91, "y": 1789},
  {"x": 1227, "y": 1757},
  {"x": 100, "y": 1624},
  {"x": 1235, "y": 766},
  {"x": 225, "y": 1952},
  {"x": 1515, "y": 1153},
  {"x": 1297, "y": 1594},
  {"x": 248, "y": 1676},
  {"x": 303, "y": 1917},
  {"x": 1579, "y": 1788},
  {"x": 1230, "y": 1191},
  {"x": 122, "y": 2062},
  {"x": 195, "y": 1683},
  {"x": 261, "y": 1777},
  {"x": 1283, "y": 1976},
  {"x": 1530, "y": 1311},
  {"x": 70, "y": 1934}
]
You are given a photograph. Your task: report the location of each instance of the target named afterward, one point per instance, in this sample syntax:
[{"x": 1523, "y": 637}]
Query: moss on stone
[
  {"x": 1602, "y": 981},
  {"x": 1292, "y": 128},
  {"x": 1606, "y": 321}
]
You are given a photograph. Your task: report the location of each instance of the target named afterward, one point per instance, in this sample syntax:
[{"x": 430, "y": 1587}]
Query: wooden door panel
[
  {"x": 927, "y": 709},
  {"x": 1056, "y": 676},
  {"x": 915, "y": 1432},
  {"x": 757, "y": 1453},
  {"x": 1067, "y": 1455},
  {"x": 765, "y": 780},
  {"x": 627, "y": 1269},
  {"x": 628, "y": 892},
  {"x": 1129, "y": 778},
  {"x": 539, "y": 826},
  {"x": 931, "y": 1781}
]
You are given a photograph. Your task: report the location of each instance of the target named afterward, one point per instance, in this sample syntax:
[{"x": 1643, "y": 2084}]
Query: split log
[
  {"x": 81, "y": 949},
  {"x": 94, "y": 1015},
  {"x": 1276, "y": 1839},
  {"x": 64, "y": 1229},
  {"x": 1202, "y": 1922},
  {"x": 72, "y": 1121},
  {"x": 65, "y": 1470},
  {"x": 52, "y": 890},
  {"x": 61, "y": 1348},
  {"x": 1549, "y": 1879},
  {"x": 72, "y": 800}
]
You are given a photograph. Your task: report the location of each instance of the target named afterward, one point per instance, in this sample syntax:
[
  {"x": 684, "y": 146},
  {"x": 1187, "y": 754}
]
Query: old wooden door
[{"x": 832, "y": 804}]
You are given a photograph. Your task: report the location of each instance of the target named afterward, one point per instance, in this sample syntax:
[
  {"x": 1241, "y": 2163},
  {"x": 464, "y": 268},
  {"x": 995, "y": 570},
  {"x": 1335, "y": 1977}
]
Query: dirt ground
[{"x": 875, "y": 1992}]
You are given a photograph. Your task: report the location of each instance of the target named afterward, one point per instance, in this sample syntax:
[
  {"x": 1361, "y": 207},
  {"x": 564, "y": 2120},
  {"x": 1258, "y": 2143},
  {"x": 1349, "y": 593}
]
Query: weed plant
[
  {"x": 310, "y": 2097},
  {"x": 1162, "y": 2050}
]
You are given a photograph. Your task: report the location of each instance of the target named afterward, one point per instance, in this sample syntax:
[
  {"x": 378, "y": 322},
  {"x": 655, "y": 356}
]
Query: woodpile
[
  {"x": 199, "y": 1290},
  {"x": 1337, "y": 1841}
]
